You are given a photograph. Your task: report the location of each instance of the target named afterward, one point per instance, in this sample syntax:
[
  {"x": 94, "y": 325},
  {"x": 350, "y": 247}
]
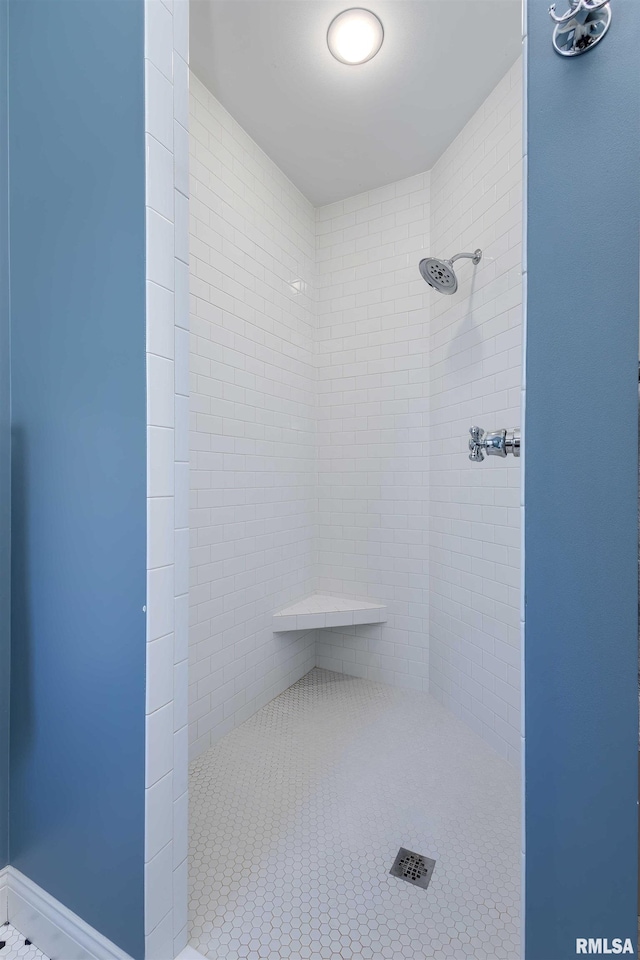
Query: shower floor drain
[{"x": 413, "y": 867}]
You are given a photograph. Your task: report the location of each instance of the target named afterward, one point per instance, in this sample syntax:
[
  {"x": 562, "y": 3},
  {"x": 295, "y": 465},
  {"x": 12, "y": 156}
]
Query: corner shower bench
[{"x": 319, "y": 610}]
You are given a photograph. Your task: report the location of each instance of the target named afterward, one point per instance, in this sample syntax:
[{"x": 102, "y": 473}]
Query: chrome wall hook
[
  {"x": 577, "y": 7},
  {"x": 581, "y": 27}
]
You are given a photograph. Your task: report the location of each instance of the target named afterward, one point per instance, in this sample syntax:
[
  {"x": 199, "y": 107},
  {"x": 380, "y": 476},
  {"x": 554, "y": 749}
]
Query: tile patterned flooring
[
  {"x": 297, "y": 816},
  {"x": 14, "y": 946}
]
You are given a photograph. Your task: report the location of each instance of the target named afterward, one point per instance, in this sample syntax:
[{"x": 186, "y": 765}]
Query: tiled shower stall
[{"x": 350, "y": 567}]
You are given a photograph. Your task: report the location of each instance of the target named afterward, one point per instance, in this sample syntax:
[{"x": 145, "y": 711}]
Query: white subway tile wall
[
  {"x": 373, "y": 433},
  {"x": 166, "y": 141},
  {"x": 475, "y": 352},
  {"x": 253, "y": 455},
  {"x": 331, "y": 396}
]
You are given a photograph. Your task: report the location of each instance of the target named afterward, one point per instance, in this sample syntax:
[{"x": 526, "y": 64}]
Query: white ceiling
[{"x": 337, "y": 130}]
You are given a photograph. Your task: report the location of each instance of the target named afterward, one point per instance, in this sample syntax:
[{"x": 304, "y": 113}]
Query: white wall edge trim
[
  {"x": 51, "y": 926},
  {"x": 190, "y": 954}
]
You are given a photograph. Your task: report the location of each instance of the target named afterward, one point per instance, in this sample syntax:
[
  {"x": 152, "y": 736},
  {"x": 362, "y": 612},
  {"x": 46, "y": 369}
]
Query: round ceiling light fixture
[{"x": 355, "y": 36}]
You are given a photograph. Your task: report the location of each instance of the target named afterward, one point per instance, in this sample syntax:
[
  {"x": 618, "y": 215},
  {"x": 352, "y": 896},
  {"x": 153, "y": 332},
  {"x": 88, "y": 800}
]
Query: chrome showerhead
[{"x": 440, "y": 274}]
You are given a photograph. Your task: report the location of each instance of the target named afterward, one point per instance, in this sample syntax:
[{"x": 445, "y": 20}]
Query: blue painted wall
[
  {"x": 581, "y": 487},
  {"x": 5, "y": 450},
  {"x": 79, "y": 456}
]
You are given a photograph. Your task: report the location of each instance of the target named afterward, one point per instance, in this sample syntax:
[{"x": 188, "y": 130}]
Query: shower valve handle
[
  {"x": 476, "y": 444},
  {"x": 498, "y": 443}
]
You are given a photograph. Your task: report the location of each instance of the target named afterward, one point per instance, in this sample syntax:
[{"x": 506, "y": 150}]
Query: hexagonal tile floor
[
  {"x": 297, "y": 816},
  {"x": 13, "y": 946}
]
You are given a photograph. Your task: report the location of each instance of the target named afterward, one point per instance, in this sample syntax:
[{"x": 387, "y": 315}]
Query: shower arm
[{"x": 476, "y": 256}]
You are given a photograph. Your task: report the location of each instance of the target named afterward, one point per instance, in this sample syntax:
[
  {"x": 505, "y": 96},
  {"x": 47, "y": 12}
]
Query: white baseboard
[
  {"x": 4, "y": 916},
  {"x": 52, "y": 927}
]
